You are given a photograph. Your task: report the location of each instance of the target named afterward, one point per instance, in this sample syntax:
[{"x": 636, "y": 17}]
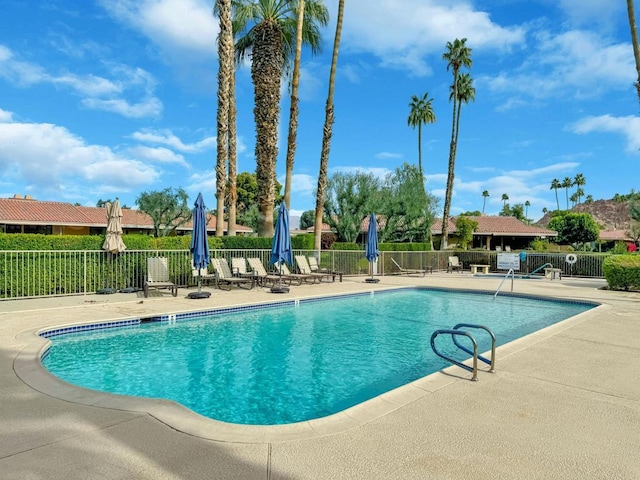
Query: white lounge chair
[
  {"x": 411, "y": 271},
  {"x": 454, "y": 264},
  {"x": 315, "y": 267},
  {"x": 265, "y": 279},
  {"x": 225, "y": 279},
  {"x": 158, "y": 276},
  {"x": 305, "y": 269}
]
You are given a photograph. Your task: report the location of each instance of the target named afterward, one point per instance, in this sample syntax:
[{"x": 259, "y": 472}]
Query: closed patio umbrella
[
  {"x": 281, "y": 246},
  {"x": 371, "y": 248},
  {"x": 199, "y": 244},
  {"x": 113, "y": 243}
]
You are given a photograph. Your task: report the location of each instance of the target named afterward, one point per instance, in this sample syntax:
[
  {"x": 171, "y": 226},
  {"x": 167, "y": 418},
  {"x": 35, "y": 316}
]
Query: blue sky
[{"x": 111, "y": 98}]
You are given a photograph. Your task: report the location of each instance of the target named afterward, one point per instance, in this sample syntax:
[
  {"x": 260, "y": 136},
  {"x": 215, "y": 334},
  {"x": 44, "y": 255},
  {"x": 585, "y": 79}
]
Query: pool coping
[{"x": 28, "y": 367}]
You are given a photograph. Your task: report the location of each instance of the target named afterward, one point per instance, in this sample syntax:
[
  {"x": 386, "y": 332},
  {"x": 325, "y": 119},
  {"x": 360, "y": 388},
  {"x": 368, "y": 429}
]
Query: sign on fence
[{"x": 507, "y": 261}]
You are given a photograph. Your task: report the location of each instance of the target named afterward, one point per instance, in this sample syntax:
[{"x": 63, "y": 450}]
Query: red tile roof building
[{"x": 26, "y": 215}]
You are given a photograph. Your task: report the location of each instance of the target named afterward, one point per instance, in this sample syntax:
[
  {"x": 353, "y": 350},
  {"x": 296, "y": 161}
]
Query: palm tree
[
  {"x": 555, "y": 185},
  {"x": 485, "y": 194},
  {"x": 574, "y": 199},
  {"x": 327, "y": 132},
  {"x": 579, "y": 181},
  {"x": 421, "y": 112},
  {"x": 634, "y": 40},
  {"x": 232, "y": 197},
  {"x": 457, "y": 55},
  {"x": 589, "y": 199},
  {"x": 505, "y": 197},
  {"x": 544, "y": 210},
  {"x": 527, "y": 204},
  {"x": 265, "y": 29},
  {"x": 293, "y": 109},
  {"x": 567, "y": 183},
  {"x": 225, "y": 71}
]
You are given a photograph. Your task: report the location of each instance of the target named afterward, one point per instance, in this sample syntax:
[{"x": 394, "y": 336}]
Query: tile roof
[
  {"x": 496, "y": 225},
  {"x": 614, "y": 235},
  {"x": 18, "y": 211}
]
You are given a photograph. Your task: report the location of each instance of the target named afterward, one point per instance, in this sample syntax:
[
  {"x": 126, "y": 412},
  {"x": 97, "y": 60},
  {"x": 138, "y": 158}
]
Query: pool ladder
[{"x": 455, "y": 332}]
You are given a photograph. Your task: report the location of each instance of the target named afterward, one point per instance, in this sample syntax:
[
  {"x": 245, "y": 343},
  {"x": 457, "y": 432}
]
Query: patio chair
[
  {"x": 204, "y": 274},
  {"x": 239, "y": 267},
  {"x": 158, "y": 276},
  {"x": 315, "y": 267},
  {"x": 225, "y": 279},
  {"x": 305, "y": 269},
  {"x": 454, "y": 264},
  {"x": 300, "y": 277},
  {"x": 411, "y": 271},
  {"x": 265, "y": 279}
]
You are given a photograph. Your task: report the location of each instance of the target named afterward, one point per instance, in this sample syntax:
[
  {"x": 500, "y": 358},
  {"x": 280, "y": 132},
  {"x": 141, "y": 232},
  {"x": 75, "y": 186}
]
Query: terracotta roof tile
[
  {"x": 18, "y": 211},
  {"x": 488, "y": 225}
]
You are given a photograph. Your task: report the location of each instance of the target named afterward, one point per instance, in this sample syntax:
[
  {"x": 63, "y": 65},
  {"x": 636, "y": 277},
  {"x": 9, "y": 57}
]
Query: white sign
[{"x": 507, "y": 261}]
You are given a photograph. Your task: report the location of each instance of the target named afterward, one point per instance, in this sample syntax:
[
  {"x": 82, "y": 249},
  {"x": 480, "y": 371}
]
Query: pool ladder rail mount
[{"x": 456, "y": 332}]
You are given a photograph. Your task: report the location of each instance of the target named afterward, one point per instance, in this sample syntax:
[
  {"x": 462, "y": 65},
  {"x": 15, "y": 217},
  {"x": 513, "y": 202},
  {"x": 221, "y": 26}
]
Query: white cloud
[
  {"x": 388, "y": 155},
  {"x": 628, "y": 127},
  {"x": 183, "y": 29},
  {"x": 50, "y": 158},
  {"x": 5, "y": 116},
  {"x": 97, "y": 92},
  {"x": 166, "y": 137},
  {"x": 158, "y": 154},
  {"x": 402, "y": 33},
  {"x": 603, "y": 12}
]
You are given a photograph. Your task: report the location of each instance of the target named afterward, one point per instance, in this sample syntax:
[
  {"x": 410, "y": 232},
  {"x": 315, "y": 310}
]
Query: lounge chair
[
  {"x": 315, "y": 267},
  {"x": 412, "y": 271},
  {"x": 239, "y": 267},
  {"x": 305, "y": 269},
  {"x": 454, "y": 264},
  {"x": 265, "y": 279},
  {"x": 158, "y": 276},
  {"x": 204, "y": 274},
  {"x": 225, "y": 279},
  {"x": 301, "y": 277}
]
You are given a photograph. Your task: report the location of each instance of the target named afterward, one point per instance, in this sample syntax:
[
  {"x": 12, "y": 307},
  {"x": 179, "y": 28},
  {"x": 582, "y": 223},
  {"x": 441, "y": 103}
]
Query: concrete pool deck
[{"x": 564, "y": 403}]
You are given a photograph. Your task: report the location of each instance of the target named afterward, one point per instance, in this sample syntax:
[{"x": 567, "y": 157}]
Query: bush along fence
[{"x": 36, "y": 273}]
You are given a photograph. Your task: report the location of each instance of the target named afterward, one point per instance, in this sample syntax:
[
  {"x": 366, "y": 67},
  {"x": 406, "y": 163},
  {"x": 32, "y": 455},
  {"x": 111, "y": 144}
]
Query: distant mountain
[{"x": 608, "y": 214}]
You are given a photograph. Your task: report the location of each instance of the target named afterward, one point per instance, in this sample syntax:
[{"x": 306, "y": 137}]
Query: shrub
[
  {"x": 346, "y": 246},
  {"x": 622, "y": 271}
]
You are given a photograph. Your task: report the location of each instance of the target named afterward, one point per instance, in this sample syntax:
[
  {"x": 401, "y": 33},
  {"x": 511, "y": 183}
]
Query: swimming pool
[{"x": 292, "y": 362}]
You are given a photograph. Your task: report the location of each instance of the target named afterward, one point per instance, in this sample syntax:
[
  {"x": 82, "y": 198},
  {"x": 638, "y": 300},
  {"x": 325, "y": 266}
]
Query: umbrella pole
[{"x": 280, "y": 288}]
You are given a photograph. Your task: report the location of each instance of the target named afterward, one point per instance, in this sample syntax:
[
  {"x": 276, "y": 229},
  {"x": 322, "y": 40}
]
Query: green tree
[
  {"x": 465, "y": 227},
  {"x": 471, "y": 213},
  {"x": 420, "y": 113},
  {"x": 247, "y": 187},
  {"x": 327, "y": 133},
  {"x": 579, "y": 181},
  {"x": 574, "y": 199},
  {"x": 555, "y": 185},
  {"x": 567, "y": 183},
  {"x": 168, "y": 209},
  {"x": 505, "y": 197},
  {"x": 631, "y": 12},
  {"x": 407, "y": 209},
  {"x": 574, "y": 228},
  {"x": 457, "y": 56},
  {"x": 265, "y": 30},
  {"x": 544, "y": 210},
  {"x": 225, "y": 71},
  {"x": 293, "y": 108},
  {"x": 307, "y": 218},
  {"x": 350, "y": 198},
  {"x": 589, "y": 200},
  {"x": 527, "y": 204},
  {"x": 485, "y": 195}
]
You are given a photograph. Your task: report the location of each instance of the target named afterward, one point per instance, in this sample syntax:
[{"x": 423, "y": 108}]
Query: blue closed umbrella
[
  {"x": 371, "y": 248},
  {"x": 199, "y": 244},
  {"x": 281, "y": 247}
]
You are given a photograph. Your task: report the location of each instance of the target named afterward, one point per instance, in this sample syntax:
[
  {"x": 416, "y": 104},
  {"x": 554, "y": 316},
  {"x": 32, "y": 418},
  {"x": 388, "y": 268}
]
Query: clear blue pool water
[{"x": 294, "y": 363}]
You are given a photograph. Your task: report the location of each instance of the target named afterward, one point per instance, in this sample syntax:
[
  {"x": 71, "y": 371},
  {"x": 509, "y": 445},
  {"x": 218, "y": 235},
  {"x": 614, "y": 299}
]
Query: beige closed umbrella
[{"x": 113, "y": 243}]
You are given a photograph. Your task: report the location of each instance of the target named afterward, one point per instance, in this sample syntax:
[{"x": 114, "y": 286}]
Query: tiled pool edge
[{"x": 28, "y": 367}]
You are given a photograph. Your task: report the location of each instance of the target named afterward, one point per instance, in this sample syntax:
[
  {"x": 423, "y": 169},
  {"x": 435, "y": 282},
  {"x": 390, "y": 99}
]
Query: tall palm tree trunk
[
  {"x": 293, "y": 111},
  {"x": 225, "y": 55},
  {"x": 266, "y": 70},
  {"x": 450, "y": 173},
  {"x": 327, "y": 133},
  {"x": 233, "y": 157},
  {"x": 420, "y": 152},
  {"x": 634, "y": 40}
]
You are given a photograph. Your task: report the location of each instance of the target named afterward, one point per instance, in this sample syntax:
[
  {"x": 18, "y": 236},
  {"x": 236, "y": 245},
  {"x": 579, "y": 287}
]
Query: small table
[
  {"x": 483, "y": 268},
  {"x": 553, "y": 273}
]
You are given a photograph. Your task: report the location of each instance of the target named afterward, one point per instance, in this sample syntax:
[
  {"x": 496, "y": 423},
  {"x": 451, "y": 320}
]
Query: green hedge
[{"x": 622, "y": 271}]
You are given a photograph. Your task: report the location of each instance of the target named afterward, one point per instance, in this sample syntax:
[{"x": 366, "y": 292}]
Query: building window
[
  {"x": 13, "y": 229},
  {"x": 42, "y": 229}
]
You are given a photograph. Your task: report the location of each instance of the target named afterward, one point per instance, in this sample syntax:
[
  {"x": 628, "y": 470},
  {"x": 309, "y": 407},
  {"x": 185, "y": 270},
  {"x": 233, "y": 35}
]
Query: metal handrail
[
  {"x": 513, "y": 276},
  {"x": 544, "y": 265},
  {"x": 453, "y": 333},
  {"x": 492, "y": 362}
]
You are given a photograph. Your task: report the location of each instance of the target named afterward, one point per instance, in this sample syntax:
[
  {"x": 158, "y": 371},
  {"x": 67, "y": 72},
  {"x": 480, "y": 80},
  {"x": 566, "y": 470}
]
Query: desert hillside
[{"x": 608, "y": 214}]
